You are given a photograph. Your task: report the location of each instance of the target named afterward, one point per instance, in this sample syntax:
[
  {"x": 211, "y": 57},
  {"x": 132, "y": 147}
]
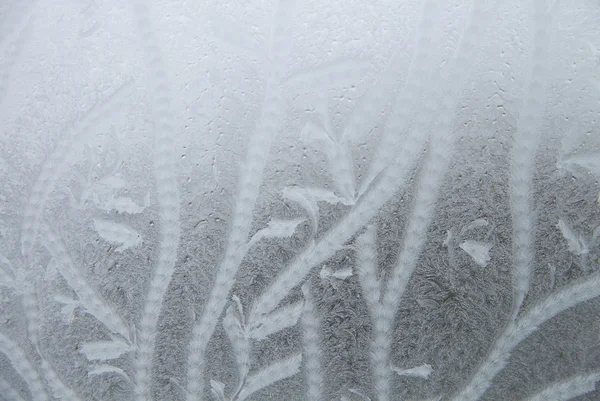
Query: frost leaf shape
[
  {"x": 104, "y": 369},
  {"x": 332, "y": 277},
  {"x": 428, "y": 303},
  {"x": 422, "y": 371},
  {"x": 68, "y": 309},
  {"x": 278, "y": 320},
  {"x": 338, "y": 154},
  {"x": 478, "y": 250},
  {"x": 117, "y": 233},
  {"x": 89, "y": 299},
  {"x": 271, "y": 374},
  {"x": 577, "y": 244},
  {"x": 586, "y": 161},
  {"x": 277, "y": 229},
  {"x": 218, "y": 390},
  {"x": 308, "y": 199},
  {"x": 104, "y": 350},
  {"x": 341, "y": 274},
  {"x": 448, "y": 238},
  {"x": 474, "y": 224},
  {"x": 234, "y": 326}
]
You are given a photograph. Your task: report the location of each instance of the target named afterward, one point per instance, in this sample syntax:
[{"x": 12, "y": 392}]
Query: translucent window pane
[{"x": 299, "y": 200}]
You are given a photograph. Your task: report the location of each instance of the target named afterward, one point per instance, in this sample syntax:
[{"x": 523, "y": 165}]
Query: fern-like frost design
[{"x": 377, "y": 202}]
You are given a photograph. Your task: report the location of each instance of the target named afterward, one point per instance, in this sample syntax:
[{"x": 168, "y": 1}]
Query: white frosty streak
[
  {"x": 104, "y": 350},
  {"x": 444, "y": 103},
  {"x": 577, "y": 244},
  {"x": 276, "y": 229},
  {"x": 567, "y": 389},
  {"x": 366, "y": 253},
  {"x": 312, "y": 351},
  {"x": 308, "y": 198},
  {"x": 89, "y": 299},
  {"x": 58, "y": 163},
  {"x": 25, "y": 285},
  {"x": 168, "y": 199},
  {"x": 250, "y": 173},
  {"x": 414, "y": 240},
  {"x": 59, "y": 389},
  {"x": 520, "y": 329},
  {"x": 523, "y": 160},
  {"x": 273, "y": 373},
  {"x": 394, "y": 175},
  {"x": 366, "y": 208},
  {"x": 23, "y": 367},
  {"x": 278, "y": 320},
  {"x": 9, "y": 392}
]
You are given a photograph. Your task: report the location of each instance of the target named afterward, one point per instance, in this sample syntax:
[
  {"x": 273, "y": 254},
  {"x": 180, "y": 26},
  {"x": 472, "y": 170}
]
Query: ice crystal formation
[{"x": 299, "y": 200}]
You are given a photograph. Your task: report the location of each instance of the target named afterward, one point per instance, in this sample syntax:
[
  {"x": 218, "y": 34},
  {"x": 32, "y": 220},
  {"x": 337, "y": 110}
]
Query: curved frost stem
[
  {"x": 9, "y": 391},
  {"x": 250, "y": 173},
  {"x": 366, "y": 253},
  {"x": 433, "y": 172},
  {"x": 279, "y": 370},
  {"x": 312, "y": 351},
  {"x": 59, "y": 389},
  {"x": 524, "y": 326},
  {"x": 168, "y": 199},
  {"x": 25, "y": 286},
  {"x": 414, "y": 239},
  {"x": 30, "y": 306},
  {"x": 523, "y": 160},
  {"x": 89, "y": 298},
  {"x": 367, "y": 272},
  {"x": 58, "y": 163},
  {"x": 391, "y": 179},
  {"x": 567, "y": 389},
  {"x": 404, "y": 106},
  {"x": 24, "y": 368}
]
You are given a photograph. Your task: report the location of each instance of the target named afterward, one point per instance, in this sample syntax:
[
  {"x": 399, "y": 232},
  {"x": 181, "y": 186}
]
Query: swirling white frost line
[{"x": 168, "y": 199}]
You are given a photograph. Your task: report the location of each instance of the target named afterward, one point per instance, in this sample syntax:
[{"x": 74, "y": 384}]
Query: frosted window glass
[{"x": 299, "y": 200}]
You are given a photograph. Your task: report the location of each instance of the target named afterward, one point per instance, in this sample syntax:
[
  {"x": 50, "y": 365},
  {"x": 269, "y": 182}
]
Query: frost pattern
[{"x": 307, "y": 201}]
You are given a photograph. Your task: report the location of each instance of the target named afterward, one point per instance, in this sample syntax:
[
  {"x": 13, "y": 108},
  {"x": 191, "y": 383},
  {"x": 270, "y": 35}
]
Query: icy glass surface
[{"x": 352, "y": 200}]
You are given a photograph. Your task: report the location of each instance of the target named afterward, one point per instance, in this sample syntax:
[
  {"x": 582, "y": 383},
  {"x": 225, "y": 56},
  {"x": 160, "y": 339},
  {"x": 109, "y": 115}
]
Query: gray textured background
[{"x": 163, "y": 118}]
